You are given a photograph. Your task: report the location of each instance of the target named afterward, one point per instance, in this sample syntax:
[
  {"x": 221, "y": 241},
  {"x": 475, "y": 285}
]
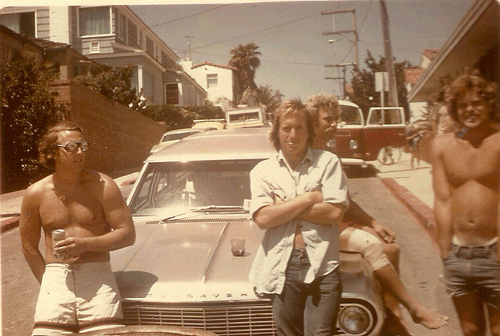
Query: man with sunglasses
[{"x": 78, "y": 291}]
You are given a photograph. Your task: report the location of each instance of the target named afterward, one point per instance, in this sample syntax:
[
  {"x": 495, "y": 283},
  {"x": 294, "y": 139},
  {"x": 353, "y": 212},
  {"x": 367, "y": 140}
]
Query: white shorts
[
  {"x": 365, "y": 243},
  {"x": 77, "y": 298}
]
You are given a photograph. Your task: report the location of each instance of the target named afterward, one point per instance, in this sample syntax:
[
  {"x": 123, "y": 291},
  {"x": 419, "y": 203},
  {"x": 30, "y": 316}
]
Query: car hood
[{"x": 187, "y": 260}]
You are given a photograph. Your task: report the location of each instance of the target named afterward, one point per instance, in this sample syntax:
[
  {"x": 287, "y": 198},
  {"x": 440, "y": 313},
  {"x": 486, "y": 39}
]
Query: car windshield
[
  {"x": 350, "y": 115},
  {"x": 174, "y": 187},
  {"x": 237, "y": 117},
  {"x": 177, "y": 136}
]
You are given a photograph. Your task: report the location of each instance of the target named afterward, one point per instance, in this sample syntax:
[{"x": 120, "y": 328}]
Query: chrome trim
[{"x": 208, "y": 265}]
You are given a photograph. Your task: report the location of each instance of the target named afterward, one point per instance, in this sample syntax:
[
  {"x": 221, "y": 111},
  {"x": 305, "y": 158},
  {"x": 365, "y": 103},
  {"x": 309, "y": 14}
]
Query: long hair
[
  {"x": 486, "y": 90},
  {"x": 292, "y": 106},
  {"x": 316, "y": 102},
  {"x": 47, "y": 145}
]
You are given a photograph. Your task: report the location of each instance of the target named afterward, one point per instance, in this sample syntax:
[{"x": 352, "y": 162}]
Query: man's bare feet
[
  {"x": 396, "y": 325},
  {"x": 428, "y": 318}
]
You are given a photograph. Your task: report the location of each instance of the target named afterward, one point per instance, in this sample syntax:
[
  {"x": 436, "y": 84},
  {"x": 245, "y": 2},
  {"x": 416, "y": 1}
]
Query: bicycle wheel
[{"x": 389, "y": 155}]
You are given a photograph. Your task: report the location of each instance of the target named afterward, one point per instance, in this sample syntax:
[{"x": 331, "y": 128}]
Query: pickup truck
[{"x": 381, "y": 137}]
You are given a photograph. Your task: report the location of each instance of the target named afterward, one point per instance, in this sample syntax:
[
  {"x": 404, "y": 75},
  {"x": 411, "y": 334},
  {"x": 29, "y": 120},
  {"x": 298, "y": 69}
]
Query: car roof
[
  {"x": 229, "y": 144},
  {"x": 183, "y": 130},
  {"x": 348, "y": 103}
]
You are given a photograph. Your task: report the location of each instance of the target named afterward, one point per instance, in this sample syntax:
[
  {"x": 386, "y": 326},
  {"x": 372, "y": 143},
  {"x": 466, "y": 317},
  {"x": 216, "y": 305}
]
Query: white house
[
  {"x": 218, "y": 80},
  {"x": 111, "y": 35}
]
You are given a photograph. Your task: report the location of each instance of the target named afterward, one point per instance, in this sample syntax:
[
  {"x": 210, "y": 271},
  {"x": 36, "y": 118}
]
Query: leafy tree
[
  {"x": 363, "y": 84},
  {"x": 269, "y": 98},
  {"x": 28, "y": 108},
  {"x": 115, "y": 84},
  {"x": 172, "y": 116},
  {"x": 206, "y": 111},
  {"x": 245, "y": 59}
]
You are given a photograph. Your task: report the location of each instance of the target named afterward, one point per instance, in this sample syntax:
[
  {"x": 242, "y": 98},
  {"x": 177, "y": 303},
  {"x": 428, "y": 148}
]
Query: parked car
[
  {"x": 173, "y": 136},
  {"x": 215, "y": 123},
  {"x": 381, "y": 137},
  {"x": 244, "y": 116},
  {"x": 187, "y": 203}
]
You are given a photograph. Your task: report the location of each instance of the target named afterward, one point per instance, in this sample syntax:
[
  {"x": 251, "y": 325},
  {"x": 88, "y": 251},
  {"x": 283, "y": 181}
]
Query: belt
[{"x": 473, "y": 251}]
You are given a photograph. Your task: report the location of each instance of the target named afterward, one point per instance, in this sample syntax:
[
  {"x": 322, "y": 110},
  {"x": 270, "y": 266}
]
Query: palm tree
[
  {"x": 245, "y": 60},
  {"x": 269, "y": 98}
]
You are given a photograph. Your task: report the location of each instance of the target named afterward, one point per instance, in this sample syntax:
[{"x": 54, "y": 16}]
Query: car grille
[{"x": 225, "y": 319}]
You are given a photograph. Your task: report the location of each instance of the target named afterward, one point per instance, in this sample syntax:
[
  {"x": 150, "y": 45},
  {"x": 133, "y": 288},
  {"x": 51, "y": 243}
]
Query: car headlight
[
  {"x": 354, "y": 319},
  {"x": 353, "y": 144}
]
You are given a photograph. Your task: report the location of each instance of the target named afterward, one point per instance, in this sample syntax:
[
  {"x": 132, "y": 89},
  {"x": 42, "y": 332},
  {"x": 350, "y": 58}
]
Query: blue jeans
[
  {"x": 473, "y": 268},
  {"x": 307, "y": 309}
]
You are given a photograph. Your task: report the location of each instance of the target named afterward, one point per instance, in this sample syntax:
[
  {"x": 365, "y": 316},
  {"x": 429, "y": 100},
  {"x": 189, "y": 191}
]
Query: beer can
[{"x": 57, "y": 235}]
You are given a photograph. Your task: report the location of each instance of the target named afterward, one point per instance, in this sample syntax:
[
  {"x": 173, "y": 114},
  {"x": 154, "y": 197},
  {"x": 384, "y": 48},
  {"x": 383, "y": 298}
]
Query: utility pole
[
  {"x": 189, "y": 45},
  {"x": 342, "y": 34},
  {"x": 343, "y": 78},
  {"x": 393, "y": 91}
]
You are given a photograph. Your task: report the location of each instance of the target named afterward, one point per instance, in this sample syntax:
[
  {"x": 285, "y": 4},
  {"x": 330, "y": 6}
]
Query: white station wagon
[{"x": 189, "y": 201}]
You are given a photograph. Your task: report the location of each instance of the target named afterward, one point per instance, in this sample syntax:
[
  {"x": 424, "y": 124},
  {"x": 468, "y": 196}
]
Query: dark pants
[{"x": 307, "y": 309}]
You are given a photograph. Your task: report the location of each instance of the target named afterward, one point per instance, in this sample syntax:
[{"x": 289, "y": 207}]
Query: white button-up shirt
[{"x": 275, "y": 177}]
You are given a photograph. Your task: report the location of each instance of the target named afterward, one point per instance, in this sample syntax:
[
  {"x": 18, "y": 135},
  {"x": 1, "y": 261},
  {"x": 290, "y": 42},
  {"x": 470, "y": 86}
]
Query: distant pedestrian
[
  {"x": 466, "y": 181},
  {"x": 413, "y": 136},
  {"x": 441, "y": 120},
  {"x": 298, "y": 198},
  {"x": 78, "y": 291}
]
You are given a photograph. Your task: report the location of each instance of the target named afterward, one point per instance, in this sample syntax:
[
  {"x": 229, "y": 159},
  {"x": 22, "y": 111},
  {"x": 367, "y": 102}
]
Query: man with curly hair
[
  {"x": 466, "y": 182},
  {"x": 362, "y": 233}
]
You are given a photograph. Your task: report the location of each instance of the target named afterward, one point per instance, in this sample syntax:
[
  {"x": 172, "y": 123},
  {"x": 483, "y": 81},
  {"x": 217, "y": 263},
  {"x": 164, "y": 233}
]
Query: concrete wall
[{"x": 120, "y": 138}]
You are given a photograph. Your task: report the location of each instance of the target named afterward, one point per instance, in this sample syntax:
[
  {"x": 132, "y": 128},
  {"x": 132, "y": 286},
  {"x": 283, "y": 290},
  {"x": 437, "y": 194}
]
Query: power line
[
  {"x": 264, "y": 60},
  {"x": 254, "y": 32},
  {"x": 185, "y": 17}
]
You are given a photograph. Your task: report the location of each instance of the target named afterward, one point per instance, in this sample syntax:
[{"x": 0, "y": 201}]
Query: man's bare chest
[
  {"x": 478, "y": 164},
  {"x": 77, "y": 208}
]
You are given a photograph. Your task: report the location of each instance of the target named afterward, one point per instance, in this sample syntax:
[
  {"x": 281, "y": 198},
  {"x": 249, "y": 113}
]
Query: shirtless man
[
  {"x": 466, "y": 181},
  {"x": 364, "y": 234},
  {"x": 78, "y": 291}
]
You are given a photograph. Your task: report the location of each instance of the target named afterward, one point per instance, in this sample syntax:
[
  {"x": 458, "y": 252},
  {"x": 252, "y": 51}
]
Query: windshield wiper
[
  {"x": 206, "y": 208},
  {"x": 217, "y": 208}
]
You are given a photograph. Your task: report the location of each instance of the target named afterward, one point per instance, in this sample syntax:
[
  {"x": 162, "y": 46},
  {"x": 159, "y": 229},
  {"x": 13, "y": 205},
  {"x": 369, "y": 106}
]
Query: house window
[
  {"x": 122, "y": 28},
  {"x": 164, "y": 59},
  {"x": 148, "y": 85},
  {"x": 95, "y": 21},
  {"x": 95, "y": 48},
  {"x": 132, "y": 34},
  {"x": 150, "y": 48},
  {"x": 190, "y": 95},
  {"x": 79, "y": 70},
  {"x": 211, "y": 81},
  {"x": 21, "y": 23},
  {"x": 172, "y": 94}
]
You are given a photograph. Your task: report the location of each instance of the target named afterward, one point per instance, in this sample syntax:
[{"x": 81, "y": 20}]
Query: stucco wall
[{"x": 119, "y": 138}]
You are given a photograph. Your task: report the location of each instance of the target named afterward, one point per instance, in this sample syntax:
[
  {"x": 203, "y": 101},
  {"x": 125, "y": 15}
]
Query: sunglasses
[{"x": 73, "y": 145}]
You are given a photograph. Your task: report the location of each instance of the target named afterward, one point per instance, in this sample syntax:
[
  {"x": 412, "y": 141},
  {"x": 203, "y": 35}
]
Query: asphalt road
[{"x": 420, "y": 265}]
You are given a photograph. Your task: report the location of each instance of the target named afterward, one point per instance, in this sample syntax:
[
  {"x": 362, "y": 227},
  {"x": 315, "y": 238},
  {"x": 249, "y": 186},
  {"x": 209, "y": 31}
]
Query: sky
[{"x": 291, "y": 39}]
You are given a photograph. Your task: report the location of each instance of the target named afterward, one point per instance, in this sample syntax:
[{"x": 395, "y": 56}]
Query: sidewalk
[
  {"x": 413, "y": 187},
  {"x": 10, "y": 204}
]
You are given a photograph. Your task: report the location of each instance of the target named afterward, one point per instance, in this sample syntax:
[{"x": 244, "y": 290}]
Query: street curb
[
  {"x": 9, "y": 223},
  {"x": 422, "y": 212}
]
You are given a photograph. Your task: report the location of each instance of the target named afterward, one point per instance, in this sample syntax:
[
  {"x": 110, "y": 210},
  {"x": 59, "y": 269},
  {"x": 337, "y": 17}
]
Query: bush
[{"x": 28, "y": 108}]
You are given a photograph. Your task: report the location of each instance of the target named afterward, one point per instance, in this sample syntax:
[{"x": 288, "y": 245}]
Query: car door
[{"x": 385, "y": 127}]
